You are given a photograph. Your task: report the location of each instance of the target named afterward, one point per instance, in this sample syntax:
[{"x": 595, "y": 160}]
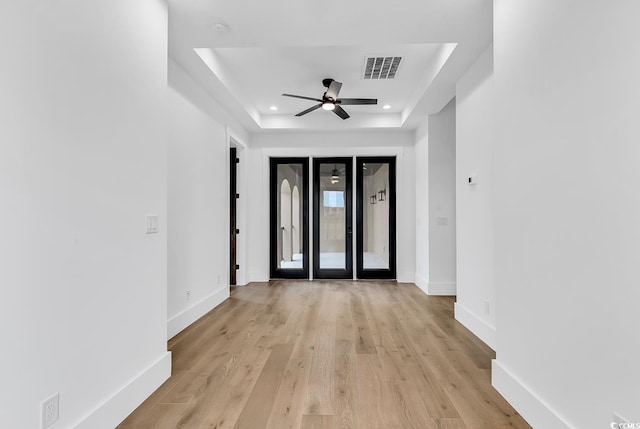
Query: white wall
[
  {"x": 258, "y": 219},
  {"x": 310, "y": 144},
  {"x": 567, "y": 209},
  {"x": 475, "y": 304},
  {"x": 435, "y": 223},
  {"x": 198, "y": 201},
  {"x": 82, "y": 162},
  {"x": 442, "y": 202},
  {"x": 422, "y": 205}
]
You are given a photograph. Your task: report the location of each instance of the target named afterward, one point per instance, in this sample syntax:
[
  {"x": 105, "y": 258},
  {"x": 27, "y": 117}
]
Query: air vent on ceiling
[{"x": 381, "y": 67}]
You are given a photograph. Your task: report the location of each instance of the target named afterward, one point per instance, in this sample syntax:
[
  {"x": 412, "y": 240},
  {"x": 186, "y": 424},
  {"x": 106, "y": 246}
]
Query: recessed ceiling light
[
  {"x": 274, "y": 108},
  {"x": 386, "y": 107},
  {"x": 219, "y": 27}
]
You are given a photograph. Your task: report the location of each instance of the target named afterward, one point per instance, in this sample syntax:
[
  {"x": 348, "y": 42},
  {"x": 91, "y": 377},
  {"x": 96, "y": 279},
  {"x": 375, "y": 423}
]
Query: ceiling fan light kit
[
  {"x": 335, "y": 175},
  {"x": 330, "y": 100}
]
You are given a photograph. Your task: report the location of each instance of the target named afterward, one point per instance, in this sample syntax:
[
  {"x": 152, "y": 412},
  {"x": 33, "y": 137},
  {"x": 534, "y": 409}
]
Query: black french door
[
  {"x": 332, "y": 218},
  {"x": 289, "y": 218},
  {"x": 376, "y": 217}
]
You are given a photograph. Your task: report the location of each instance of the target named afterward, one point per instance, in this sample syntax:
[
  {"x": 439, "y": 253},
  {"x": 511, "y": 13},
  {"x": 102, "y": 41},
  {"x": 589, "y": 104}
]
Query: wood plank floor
[{"x": 328, "y": 355}]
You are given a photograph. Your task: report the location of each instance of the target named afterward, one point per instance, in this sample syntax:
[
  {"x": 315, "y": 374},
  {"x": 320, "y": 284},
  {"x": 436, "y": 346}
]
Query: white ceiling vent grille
[{"x": 381, "y": 67}]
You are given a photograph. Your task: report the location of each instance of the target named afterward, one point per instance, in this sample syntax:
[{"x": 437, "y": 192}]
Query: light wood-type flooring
[{"x": 328, "y": 355}]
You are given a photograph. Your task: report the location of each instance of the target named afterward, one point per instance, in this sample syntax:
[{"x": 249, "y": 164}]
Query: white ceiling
[{"x": 289, "y": 46}]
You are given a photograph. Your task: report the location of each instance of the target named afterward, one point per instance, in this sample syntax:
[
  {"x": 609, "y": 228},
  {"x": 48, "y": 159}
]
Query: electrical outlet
[
  {"x": 487, "y": 307},
  {"x": 50, "y": 411},
  {"x": 218, "y": 279},
  {"x": 188, "y": 295}
]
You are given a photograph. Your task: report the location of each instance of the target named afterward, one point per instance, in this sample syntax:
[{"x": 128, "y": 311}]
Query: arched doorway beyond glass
[{"x": 288, "y": 225}]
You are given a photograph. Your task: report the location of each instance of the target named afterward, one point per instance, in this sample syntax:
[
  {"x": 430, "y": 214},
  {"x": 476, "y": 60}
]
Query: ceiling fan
[{"x": 330, "y": 100}]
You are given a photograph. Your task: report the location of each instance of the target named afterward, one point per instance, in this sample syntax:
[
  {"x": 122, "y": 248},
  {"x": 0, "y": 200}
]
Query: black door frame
[
  {"x": 288, "y": 273},
  {"x": 327, "y": 273},
  {"x": 390, "y": 196},
  {"x": 233, "y": 199}
]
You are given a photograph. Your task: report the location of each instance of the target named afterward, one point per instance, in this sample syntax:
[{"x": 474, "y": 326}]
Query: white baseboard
[
  {"x": 441, "y": 288},
  {"x": 421, "y": 282},
  {"x": 240, "y": 279},
  {"x": 531, "y": 407},
  {"x": 185, "y": 318},
  {"x": 475, "y": 324},
  {"x": 258, "y": 277},
  {"x": 435, "y": 288},
  {"x": 405, "y": 277},
  {"x": 115, "y": 409}
]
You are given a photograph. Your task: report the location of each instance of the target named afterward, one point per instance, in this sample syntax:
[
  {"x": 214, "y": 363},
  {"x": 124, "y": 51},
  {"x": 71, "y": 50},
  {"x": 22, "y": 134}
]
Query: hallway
[{"x": 333, "y": 354}]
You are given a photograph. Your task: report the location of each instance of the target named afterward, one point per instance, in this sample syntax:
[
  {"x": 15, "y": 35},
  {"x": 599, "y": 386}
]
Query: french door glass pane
[
  {"x": 289, "y": 216},
  {"x": 332, "y": 220},
  {"x": 375, "y": 216}
]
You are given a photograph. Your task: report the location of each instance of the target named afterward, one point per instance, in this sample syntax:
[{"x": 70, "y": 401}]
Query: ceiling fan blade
[
  {"x": 356, "y": 101},
  {"x": 310, "y": 109},
  {"x": 340, "y": 112},
  {"x": 333, "y": 90},
  {"x": 304, "y": 98}
]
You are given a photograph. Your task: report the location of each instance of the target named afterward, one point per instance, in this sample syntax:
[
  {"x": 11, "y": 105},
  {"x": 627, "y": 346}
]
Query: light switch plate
[{"x": 152, "y": 224}]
